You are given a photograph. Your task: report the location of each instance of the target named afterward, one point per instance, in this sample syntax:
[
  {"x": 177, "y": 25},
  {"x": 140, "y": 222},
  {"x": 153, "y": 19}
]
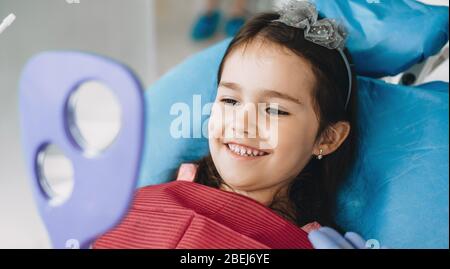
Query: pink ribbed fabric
[{"x": 186, "y": 215}]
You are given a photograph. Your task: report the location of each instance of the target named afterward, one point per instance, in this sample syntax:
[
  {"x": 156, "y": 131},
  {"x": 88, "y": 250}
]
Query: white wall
[{"x": 123, "y": 30}]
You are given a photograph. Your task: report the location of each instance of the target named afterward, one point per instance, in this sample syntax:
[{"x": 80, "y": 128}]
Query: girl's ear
[{"x": 332, "y": 138}]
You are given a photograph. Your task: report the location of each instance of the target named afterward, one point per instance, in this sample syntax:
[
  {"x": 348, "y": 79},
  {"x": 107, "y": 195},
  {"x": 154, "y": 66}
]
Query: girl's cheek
[
  {"x": 269, "y": 133},
  {"x": 274, "y": 138}
]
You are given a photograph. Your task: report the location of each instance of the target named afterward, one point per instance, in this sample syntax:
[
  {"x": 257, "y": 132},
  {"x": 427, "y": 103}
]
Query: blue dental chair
[{"x": 397, "y": 193}]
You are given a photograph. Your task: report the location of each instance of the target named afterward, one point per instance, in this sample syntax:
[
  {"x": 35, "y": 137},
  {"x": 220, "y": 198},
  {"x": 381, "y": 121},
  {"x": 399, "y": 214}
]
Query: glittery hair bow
[{"x": 304, "y": 15}]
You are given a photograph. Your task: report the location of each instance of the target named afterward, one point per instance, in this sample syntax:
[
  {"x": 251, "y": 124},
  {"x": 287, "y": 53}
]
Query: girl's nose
[{"x": 246, "y": 121}]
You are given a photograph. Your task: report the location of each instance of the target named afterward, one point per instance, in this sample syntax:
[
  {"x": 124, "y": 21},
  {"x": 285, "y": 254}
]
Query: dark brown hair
[{"x": 313, "y": 192}]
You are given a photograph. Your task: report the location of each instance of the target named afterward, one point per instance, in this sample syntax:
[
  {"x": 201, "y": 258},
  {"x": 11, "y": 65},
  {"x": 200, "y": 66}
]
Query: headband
[{"x": 326, "y": 32}]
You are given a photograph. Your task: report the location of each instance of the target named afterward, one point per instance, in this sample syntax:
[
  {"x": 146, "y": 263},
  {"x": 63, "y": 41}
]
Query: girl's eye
[
  {"x": 229, "y": 101},
  {"x": 276, "y": 112}
]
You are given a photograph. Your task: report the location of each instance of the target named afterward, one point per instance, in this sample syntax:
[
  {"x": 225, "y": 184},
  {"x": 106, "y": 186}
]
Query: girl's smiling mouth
[{"x": 243, "y": 152}]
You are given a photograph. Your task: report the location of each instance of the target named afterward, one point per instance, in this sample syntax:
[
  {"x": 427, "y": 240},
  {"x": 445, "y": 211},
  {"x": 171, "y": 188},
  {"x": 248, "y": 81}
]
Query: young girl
[
  {"x": 296, "y": 66},
  {"x": 273, "y": 62}
]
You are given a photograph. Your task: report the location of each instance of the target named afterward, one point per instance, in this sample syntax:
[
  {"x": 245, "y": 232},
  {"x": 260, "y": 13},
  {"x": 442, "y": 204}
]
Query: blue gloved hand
[{"x": 327, "y": 238}]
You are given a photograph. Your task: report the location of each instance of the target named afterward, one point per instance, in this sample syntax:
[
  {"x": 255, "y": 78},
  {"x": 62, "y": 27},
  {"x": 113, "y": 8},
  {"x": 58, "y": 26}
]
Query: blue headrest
[
  {"x": 398, "y": 191},
  {"x": 387, "y": 37}
]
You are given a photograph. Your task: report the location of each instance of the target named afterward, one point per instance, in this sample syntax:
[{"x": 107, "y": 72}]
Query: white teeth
[{"x": 245, "y": 151}]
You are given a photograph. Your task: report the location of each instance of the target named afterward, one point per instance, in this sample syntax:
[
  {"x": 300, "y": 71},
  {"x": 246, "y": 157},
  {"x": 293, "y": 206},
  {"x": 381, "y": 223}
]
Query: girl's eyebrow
[
  {"x": 231, "y": 86},
  {"x": 277, "y": 94},
  {"x": 269, "y": 93}
]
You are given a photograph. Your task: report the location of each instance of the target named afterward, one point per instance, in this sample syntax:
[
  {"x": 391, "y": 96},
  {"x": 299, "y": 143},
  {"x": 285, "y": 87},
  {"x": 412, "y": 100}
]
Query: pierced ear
[{"x": 332, "y": 138}]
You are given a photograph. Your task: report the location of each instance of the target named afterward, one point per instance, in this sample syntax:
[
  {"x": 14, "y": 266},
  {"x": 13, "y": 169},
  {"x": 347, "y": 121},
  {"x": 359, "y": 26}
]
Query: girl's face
[{"x": 276, "y": 85}]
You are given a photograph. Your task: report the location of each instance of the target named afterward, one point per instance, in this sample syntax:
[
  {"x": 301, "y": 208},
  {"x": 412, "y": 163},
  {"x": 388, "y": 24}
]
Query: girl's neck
[
  {"x": 264, "y": 196},
  {"x": 275, "y": 199}
]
